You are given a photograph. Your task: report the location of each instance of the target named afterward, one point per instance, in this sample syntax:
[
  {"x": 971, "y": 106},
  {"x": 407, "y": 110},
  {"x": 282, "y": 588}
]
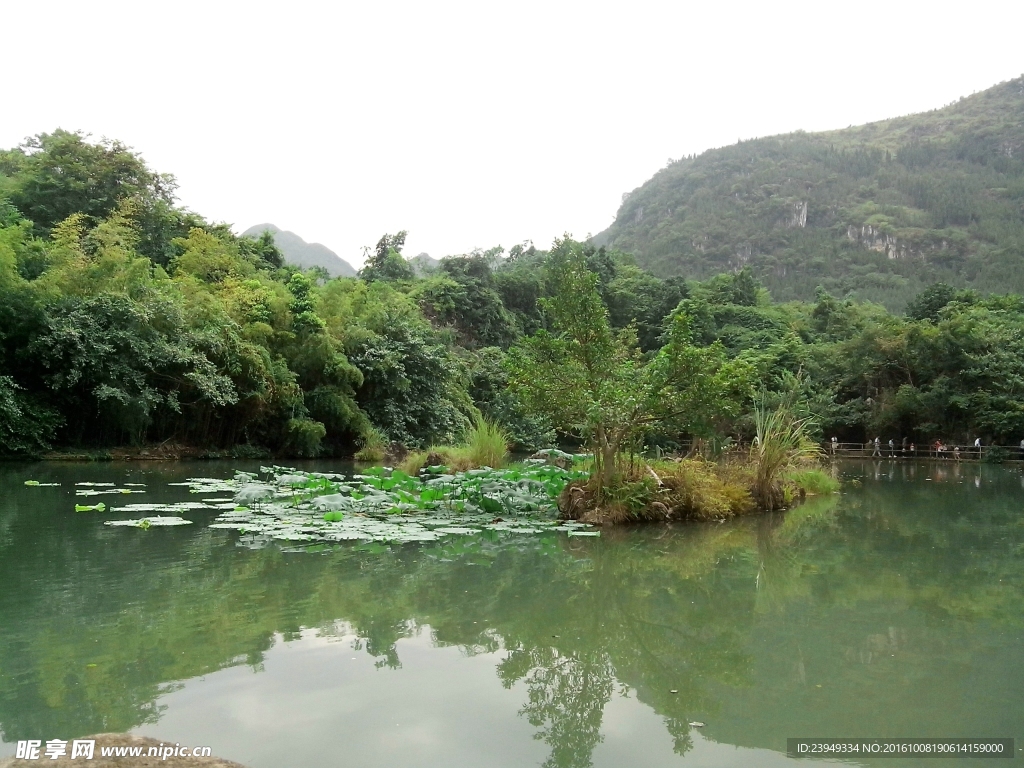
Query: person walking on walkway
[
  {"x": 878, "y": 447},
  {"x": 1022, "y": 449},
  {"x": 892, "y": 448},
  {"x": 835, "y": 445},
  {"x": 977, "y": 446}
]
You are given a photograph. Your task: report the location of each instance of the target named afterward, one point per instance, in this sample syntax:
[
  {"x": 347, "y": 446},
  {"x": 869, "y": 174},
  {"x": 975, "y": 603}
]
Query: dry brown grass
[
  {"x": 690, "y": 489},
  {"x": 704, "y": 490}
]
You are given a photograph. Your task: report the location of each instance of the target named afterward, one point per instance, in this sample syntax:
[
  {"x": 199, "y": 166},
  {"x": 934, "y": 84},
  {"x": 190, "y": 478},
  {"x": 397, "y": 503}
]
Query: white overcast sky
[{"x": 470, "y": 124}]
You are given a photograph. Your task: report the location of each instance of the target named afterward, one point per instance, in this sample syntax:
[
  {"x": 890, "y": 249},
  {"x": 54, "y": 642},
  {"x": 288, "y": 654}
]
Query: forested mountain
[
  {"x": 302, "y": 254},
  {"x": 872, "y": 212}
]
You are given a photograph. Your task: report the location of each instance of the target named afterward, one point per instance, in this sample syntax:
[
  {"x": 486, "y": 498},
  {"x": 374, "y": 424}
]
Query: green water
[{"x": 895, "y": 609}]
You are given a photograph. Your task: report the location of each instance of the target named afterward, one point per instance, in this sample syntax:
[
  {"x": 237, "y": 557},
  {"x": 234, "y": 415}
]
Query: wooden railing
[{"x": 966, "y": 453}]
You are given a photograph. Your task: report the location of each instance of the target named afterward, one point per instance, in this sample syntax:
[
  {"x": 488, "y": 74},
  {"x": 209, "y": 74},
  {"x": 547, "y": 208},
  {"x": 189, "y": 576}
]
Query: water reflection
[{"x": 892, "y": 610}]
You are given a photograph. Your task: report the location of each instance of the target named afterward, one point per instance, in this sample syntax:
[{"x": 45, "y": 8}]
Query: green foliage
[
  {"x": 386, "y": 262},
  {"x": 996, "y": 454},
  {"x": 54, "y": 176},
  {"x": 413, "y": 385},
  {"x": 463, "y": 296},
  {"x": 485, "y": 444},
  {"x": 594, "y": 382},
  {"x": 703, "y": 490},
  {"x": 263, "y": 250},
  {"x": 304, "y": 437},
  {"x": 25, "y": 427},
  {"x": 930, "y": 301},
  {"x": 489, "y": 388}
]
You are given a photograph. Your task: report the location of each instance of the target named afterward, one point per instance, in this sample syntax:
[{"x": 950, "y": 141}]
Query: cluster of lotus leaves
[{"x": 380, "y": 505}]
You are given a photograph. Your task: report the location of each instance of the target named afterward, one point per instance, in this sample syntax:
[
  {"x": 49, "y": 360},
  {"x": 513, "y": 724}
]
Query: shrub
[{"x": 995, "y": 454}]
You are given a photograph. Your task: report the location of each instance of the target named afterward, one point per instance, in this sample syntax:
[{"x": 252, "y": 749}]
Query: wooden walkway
[{"x": 967, "y": 453}]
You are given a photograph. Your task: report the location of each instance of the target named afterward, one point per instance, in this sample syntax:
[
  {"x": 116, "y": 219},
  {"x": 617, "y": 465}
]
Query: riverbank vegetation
[{"x": 126, "y": 320}]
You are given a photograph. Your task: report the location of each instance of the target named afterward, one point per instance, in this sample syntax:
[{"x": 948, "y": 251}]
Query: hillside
[
  {"x": 297, "y": 251},
  {"x": 873, "y": 212}
]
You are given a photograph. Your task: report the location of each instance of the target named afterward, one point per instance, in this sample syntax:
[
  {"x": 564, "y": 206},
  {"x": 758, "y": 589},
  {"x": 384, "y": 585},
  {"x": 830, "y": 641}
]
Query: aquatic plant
[
  {"x": 379, "y": 505},
  {"x": 149, "y": 522}
]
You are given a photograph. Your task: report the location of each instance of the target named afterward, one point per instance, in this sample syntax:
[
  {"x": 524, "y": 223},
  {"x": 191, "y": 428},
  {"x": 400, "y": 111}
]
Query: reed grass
[
  {"x": 485, "y": 445},
  {"x": 782, "y": 442}
]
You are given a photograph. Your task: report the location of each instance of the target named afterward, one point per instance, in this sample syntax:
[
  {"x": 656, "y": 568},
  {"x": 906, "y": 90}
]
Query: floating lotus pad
[
  {"x": 180, "y": 506},
  {"x": 90, "y": 492},
  {"x": 149, "y": 522}
]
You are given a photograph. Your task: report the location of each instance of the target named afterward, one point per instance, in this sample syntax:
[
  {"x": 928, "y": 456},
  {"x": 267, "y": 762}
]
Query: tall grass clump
[
  {"x": 375, "y": 444},
  {"x": 455, "y": 457},
  {"x": 487, "y": 443},
  {"x": 782, "y": 443}
]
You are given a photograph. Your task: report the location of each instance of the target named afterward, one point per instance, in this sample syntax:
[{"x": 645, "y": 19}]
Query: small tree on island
[{"x": 593, "y": 381}]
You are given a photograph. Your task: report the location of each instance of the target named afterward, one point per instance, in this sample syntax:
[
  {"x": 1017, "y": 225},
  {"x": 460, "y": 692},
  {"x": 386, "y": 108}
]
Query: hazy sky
[{"x": 471, "y": 123}]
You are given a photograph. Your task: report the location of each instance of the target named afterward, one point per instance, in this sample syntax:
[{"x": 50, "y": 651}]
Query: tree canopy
[{"x": 125, "y": 319}]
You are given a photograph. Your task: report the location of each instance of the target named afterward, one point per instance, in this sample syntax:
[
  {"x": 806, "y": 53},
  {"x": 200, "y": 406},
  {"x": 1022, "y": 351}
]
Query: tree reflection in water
[{"x": 738, "y": 619}]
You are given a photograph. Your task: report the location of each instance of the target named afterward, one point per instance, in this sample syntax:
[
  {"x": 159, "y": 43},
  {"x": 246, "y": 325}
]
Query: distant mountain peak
[
  {"x": 297, "y": 251},
  {"x": 423, "y": 264}
]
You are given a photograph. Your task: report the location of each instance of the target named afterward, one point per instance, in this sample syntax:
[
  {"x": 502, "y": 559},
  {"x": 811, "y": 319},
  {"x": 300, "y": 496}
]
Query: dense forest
[
  {"x": 875, "y": 212},
  {"x": 126, "y": 319}
]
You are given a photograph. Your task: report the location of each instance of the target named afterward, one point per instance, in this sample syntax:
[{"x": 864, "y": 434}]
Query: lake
[{"x": 895, "y": 609}]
